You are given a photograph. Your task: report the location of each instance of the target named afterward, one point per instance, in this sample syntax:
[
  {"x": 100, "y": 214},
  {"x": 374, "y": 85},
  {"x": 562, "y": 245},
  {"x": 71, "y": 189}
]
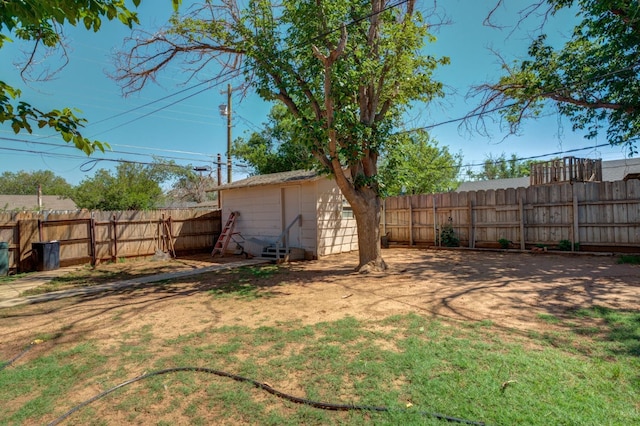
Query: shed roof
[
  {"x": 294, "y": 176},
  {"x": 30, "y": 202}
]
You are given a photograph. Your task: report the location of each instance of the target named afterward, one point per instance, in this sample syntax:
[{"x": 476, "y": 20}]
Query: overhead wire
[
  {"x": 354, "y": 21},
  {"x": 228, "y": 75}
]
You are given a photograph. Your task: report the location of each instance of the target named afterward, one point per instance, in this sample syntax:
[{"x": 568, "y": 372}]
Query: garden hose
[
  {"x": 21, "y": 354},
  {"x": 263, "y": 386}
]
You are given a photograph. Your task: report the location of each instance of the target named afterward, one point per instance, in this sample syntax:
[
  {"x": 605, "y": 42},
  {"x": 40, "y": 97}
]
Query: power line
[
  {"x": 228, "y": 75},
  {"x": 111, "y": 151}
]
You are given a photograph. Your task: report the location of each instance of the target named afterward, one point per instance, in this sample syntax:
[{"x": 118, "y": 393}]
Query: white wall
[
  {"x": 259, "y": 208},
  {"x": 323, "y": 230},
  {"x": 261, "y": 214},
  {"x": 335, "y": 233}
]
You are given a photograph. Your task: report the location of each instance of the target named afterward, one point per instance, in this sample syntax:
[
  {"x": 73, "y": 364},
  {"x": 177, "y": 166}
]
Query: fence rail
[
  {"x": 597, "y": 216},
  {"x": 101, "y": 236}
]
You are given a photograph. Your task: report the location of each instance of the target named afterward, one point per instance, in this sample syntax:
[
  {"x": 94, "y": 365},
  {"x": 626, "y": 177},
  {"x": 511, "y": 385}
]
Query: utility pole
[
  {"x": 229, "y": 133},
  {"x": 226, "y": 110}
]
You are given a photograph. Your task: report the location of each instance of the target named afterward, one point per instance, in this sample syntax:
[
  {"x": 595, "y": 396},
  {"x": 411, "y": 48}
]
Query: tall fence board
[
  {"x": 86, "y": 236},
  {"x": 596, "y": 215}
]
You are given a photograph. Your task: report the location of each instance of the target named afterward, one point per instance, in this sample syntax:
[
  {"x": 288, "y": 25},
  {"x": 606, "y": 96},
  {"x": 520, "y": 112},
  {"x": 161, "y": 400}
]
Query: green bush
[
  {"x": 448, "y": 236},
  {"x": 504, "y": 243}
]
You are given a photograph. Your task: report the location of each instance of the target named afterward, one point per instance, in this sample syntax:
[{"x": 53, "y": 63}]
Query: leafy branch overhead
[
  {"x": 40, "y": 23},
  {"x": 593, "y": 79}
]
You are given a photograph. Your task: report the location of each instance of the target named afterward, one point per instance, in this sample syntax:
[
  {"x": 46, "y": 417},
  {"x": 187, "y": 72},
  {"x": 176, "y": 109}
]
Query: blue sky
[{"x": 190, "y": 130}]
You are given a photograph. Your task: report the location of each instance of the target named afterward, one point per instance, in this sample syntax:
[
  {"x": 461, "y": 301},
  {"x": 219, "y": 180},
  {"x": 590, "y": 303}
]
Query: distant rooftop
[{"x": 30, "y": 203}]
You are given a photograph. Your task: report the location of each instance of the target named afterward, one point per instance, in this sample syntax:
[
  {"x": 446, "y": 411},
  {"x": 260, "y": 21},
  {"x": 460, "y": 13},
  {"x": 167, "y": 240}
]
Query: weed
[
  {"x": 566, "y": 245},
  {"x": 504, "y": 243},
  {"x": 629, "y": 258}
]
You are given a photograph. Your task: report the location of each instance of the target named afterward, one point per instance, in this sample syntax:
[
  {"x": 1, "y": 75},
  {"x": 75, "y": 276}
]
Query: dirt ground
[{"x": 509, "y": 289}]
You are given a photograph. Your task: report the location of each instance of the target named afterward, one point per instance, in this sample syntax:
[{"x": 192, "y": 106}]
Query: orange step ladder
[{"x": 225, "y": 237}]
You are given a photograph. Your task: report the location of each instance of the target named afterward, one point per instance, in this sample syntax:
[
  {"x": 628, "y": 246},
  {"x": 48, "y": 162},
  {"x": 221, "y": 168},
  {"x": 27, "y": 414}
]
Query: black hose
[
  {"x": 260, "y": 385},
  {"x": 20, "y": 355}
]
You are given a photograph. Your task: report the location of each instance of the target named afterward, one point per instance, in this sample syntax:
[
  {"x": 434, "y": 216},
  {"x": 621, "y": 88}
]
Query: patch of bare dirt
[{"x": 511, "y": 290}]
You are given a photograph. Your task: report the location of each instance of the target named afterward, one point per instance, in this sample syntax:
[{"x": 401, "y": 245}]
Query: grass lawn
[{"x": 410, "y": 364}]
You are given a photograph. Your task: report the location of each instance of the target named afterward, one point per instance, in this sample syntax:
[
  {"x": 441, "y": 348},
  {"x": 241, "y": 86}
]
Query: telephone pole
[{"x": 229, "y": 133}]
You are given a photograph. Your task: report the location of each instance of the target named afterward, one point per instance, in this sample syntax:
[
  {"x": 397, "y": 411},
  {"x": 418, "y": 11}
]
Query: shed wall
[
  {"x": 336, "y": 234},
  {"x": 261, "y": 213}
]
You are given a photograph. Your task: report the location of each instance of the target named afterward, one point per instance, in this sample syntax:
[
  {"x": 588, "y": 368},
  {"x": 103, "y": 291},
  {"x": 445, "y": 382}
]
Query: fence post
[
  {"x": 574, "y": 211},
  {"x": 92, "y": 240},
  {"x": 435, "y": 222},
  {"x": 410, "y": 220},
  {"x": 470, "y": 221},
  {"x": 115, "y": 239},
  {"x": 522, "y": 232}
]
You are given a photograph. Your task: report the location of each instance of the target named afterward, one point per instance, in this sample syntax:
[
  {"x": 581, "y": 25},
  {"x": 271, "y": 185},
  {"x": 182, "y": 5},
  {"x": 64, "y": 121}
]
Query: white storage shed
[{"x": 302, "y": 205}]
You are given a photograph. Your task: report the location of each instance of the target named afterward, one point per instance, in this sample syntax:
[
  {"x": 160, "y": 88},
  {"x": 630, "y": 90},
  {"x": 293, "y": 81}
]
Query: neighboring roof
[
  {"x": 30, "y": 202},
  {"x": 612, "y": 170},
  {"x": 272, "y": 179},
  {"x": 485, "y": 185}
]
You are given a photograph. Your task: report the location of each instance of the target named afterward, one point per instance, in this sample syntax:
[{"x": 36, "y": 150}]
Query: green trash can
[
  {"x": 4, "y": 258},
  {"x": 47, "y": 255}
]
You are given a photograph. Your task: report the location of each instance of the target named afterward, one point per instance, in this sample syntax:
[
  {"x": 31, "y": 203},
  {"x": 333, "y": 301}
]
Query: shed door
[{"x": 290, "y": 210}]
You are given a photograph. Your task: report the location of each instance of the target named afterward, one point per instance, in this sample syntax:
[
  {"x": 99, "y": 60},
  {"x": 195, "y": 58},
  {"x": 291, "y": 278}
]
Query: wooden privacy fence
[
  {"x": 598, "y": 216},
  {"x": 91, "y": 237}
]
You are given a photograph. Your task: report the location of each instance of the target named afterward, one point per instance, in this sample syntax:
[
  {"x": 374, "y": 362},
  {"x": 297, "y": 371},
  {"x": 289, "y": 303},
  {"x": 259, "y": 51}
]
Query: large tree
[
  {"x": 41, "y": 23},
  {"x": 346, "y": 70},
  {"x": 27, "y": 183},
  {"x": 593, "y": 79},
  {"x": 417, "y": 165}
]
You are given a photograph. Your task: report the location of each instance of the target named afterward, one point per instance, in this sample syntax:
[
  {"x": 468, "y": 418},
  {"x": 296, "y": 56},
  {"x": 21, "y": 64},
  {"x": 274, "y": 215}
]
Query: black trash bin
[
  {"x": 47, "y": 255},
  {"x": 4, "y": 258}
]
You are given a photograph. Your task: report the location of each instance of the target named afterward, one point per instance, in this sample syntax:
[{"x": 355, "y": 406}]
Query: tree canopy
[
  {"x": 593, "y": 79},
  {"x": 26, "y": 183},
  {"x": 417, "y": 165},
  {"x": 133, "y": 187},
  {"x": 276, "y": 147},
  {"x": 502, "y": 168},
  {"x": 41, "y": 22},
  {"x": 345, "y": 70}
]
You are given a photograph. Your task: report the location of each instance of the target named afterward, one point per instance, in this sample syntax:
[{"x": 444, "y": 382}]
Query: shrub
[{"x": 448, "y": 236}]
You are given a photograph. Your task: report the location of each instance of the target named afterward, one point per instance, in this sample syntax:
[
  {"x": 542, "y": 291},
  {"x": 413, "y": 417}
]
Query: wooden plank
[
  {"x": 470, "y": 223},
  {"x": 576, "y": 223},
  {"x": 521, "y": 223},
  {"x": 410, "y": 199}
]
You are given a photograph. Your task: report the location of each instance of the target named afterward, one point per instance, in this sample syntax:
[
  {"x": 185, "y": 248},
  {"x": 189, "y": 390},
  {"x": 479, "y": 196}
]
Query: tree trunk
[{"x": 366, "y": 210}]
